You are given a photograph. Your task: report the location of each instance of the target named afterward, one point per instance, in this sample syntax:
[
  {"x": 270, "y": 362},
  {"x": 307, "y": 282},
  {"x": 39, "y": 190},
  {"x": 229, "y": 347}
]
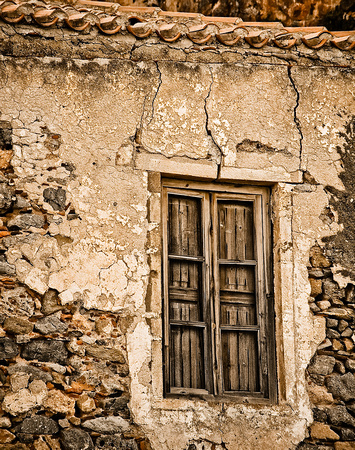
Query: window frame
[{"x": 210, "y": 193}]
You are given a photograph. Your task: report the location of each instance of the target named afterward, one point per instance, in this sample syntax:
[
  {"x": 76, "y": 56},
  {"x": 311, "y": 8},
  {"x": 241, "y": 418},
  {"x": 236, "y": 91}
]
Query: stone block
[
  {"x": 100, "y": 352},
  {"x": 322, "y": 365},
  {"x": 39, "y": 425},
  {"x": 47, "y": 351},
  {"x": 50, "y": 302},
  {"x": 19, "y": 402},
  {"x": 333, "y": 334},
  {"x": 8, "y": 348},
  {"x": 5, "y": 422},
  {"x": 55, "y": 197},
  {"x": 340, "y": 416},
  {"x": 16, "y": 325},
  {"x": 74, "y": 439},
  {"x": 318, "y": 395},
  {"x": 26, "y": 221},
  {"x": 342, "y": 386},
  {"x": 350, "y": 364},
  {"x": 58, "y": 402},
  {"x": 19, "y": 381},
  {"x": 107, "y": 425},
  {"x": 7, "y": 196},
  {"x": 85, "y": 403},
  {"x": 316, "y": 287},
  {"x": 34, "y": 372},
  {"x": 323, "y": 432},
  {"x": 50, "y": 325},
  {"x": 347, "y": 434},
  {"x": 16, "y": 302}
]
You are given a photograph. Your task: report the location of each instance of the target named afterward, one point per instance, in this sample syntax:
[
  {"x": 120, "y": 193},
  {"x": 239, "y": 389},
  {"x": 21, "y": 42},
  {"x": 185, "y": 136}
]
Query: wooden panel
[
  {"x": 184, "y": 226},
  {"x": 187, "y": 359},
  {"x": 237, "y": 295},
  {"x": 236, "y": 230},
  {"x": 237, "y": 314},
  {"x": 240, "y": 363},
  {"x": 237, "y": 278},
  {"x": 185, "y": 291}
]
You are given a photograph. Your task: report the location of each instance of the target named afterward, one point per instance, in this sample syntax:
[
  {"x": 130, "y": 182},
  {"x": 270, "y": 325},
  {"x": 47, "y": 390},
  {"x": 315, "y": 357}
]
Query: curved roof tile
[{"x": 142, "y": 22}]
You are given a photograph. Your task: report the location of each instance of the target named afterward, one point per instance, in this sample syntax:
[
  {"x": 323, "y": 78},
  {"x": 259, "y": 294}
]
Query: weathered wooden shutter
[
  {"x": 186, "y": 291},
  {"x": 239, "y": 294},
  {"x": 218, "y": 307}
]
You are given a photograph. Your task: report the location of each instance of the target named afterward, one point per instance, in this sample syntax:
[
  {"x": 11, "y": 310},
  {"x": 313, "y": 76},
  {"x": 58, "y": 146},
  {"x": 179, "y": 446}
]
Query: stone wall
[
  {"x": 331, "y": 383},
  {"x": 89, "y": 124}
]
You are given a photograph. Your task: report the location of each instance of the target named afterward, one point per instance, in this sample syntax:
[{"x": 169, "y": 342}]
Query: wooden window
[{"x": 218, "y": 304}]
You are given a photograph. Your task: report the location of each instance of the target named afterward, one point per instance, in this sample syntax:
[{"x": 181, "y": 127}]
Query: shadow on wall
[{"x": 340, "y": 248}]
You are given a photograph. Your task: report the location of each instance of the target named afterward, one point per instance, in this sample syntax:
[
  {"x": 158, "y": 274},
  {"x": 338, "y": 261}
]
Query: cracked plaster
[{"x": 109, "y": 108}]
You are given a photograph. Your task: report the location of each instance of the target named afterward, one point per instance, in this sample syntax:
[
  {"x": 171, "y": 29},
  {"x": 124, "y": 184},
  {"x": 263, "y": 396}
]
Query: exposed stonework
[
  {"x": 331, "y": 379},
  {"x": 89, "y": 125}
]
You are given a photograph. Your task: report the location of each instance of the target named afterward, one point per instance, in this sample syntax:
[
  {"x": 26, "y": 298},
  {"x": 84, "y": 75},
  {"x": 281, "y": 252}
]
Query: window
[{"x": 218, "y": 304}]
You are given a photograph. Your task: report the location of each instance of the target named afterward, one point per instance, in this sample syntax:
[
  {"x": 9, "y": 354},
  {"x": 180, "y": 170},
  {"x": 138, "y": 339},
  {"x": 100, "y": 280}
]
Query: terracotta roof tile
[{"x": 112, "y": 18}]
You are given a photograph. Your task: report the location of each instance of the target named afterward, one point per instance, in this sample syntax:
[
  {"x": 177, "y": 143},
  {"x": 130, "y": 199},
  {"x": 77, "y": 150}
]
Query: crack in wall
[
  {"x": 160, "y": 82},
  {"x": 295, "y": 118},
  {"x": 209, "y": 131}
]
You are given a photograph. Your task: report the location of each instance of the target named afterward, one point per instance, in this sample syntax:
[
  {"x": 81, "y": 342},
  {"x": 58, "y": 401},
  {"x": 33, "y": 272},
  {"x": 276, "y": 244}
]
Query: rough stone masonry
[{"x": 90, "y": 120}]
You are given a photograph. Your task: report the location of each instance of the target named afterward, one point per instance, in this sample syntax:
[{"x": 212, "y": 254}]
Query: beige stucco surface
[{"x": 119, "y": 121}]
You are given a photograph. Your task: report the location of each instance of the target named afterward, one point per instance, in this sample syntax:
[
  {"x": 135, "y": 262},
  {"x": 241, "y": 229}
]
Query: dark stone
[
  {"x": 50, "y": 302},
  {"x": 7, "y": 196},
  {"x": 7, "y": 269},
  {"x": 39, "y": 425},
  {"x": 50, "y": 325},
  {"x": 319, "y": 415},
  {"x": 117, "y": 406},
  {"x": 117, "y": 442},
  {"x": 8, "y": 348},
  {"x": 26, "y": 221},
  {"x": 351, "y": 408},
  {"x": 75, "y": 439},
  {"x": 331, "y": 289},
  {"x": 19, "y": 239},
  {"x": 47, "y": 351},
  {"x": 317, "y": 379},
  {"x": 305, "y": 446},
  {"x": 55, "y": 197},
  {"x": 339, "y": 416},
  {"x": 25, "y": 437},
  {"x": 5, "y": 135},
  {"x": 347, "y": 434},
  {"x": 332, "y": 334},
  {"x": 16, "y": 325},
  {"x": 332, "y": 323},
  {"x": 35, "y": 373},
  {"x": 321, "y": 365},
  {"x": 342, "y": 386}
]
